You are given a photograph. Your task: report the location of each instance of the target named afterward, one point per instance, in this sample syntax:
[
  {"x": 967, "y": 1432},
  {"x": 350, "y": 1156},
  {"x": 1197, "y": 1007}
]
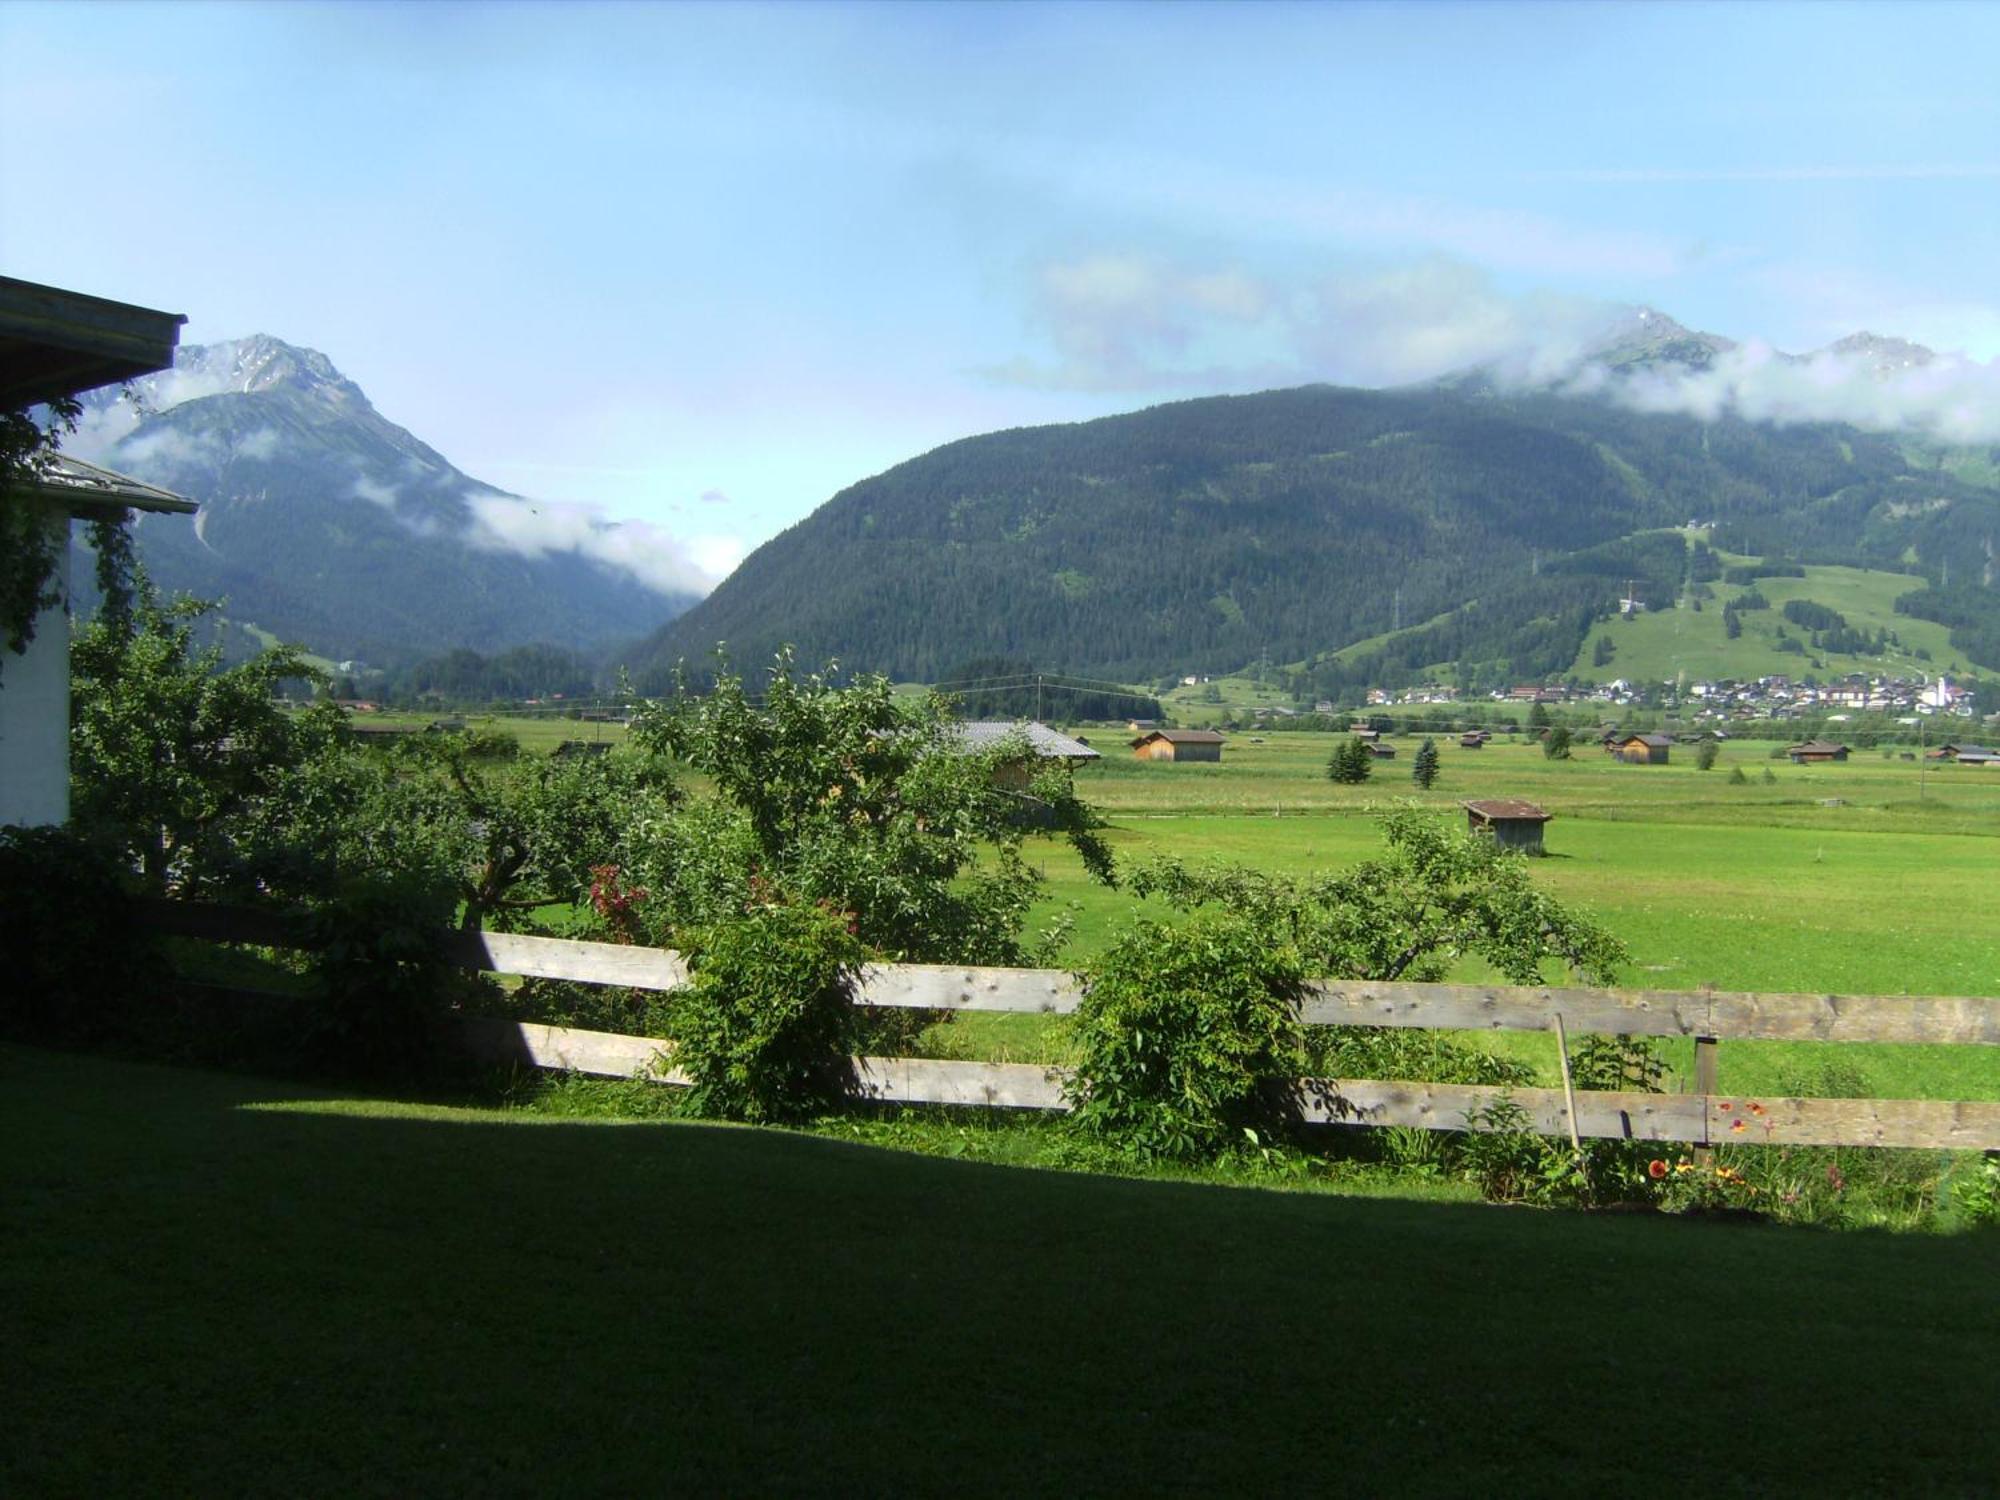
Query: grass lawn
[{"x": 213, "y": 1284}]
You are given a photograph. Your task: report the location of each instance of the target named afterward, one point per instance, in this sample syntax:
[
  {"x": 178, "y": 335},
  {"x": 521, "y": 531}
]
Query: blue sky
[{"x": 705, "y": 265}]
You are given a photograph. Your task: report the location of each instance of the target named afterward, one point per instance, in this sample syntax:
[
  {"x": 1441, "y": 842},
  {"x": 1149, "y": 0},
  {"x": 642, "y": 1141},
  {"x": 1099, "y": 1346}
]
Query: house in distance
[
  {"x": 1178, "y": 744},
  {"x": 1510, "y": 824},
  {"x": 1812, "y": 751}
]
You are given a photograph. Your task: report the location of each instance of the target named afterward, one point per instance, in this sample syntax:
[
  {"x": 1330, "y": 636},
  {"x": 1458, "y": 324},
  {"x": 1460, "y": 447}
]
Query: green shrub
[
  {"x": 767, "y": 1029},
  {"x": 1188, "y": 1039},
  {"x": 1406, "y": 1053},
  {"x": 75, "y": 961},
  {"x": 1512, "y": 1164},
  {"x": 1618, "y": 1064},
  {"x": 385, "y": 986},
  {"x": 1976, "y": 1194}
]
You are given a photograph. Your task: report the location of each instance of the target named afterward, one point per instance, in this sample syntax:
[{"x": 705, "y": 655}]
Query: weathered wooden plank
[
  {"x": 1856, "y": 1018},
  {"x": 925, "y": 1080},
  {"x": 1468, "y": 1007},
  {"x": 568, "y": 958},
  {"x": 1937, "y": 1124},
  {"x": 1447, "y": 1106},
  {"x": 1967, "y": 1020},
  {"x": 946, "y": 987},
  {"x": 605, "y": 1054}
]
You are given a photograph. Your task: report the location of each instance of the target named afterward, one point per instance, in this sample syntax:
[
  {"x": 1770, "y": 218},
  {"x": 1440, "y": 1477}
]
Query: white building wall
[{"x": 34, "y": 714}]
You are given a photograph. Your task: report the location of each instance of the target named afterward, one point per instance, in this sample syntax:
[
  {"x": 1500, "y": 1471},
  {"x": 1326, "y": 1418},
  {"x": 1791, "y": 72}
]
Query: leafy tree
[
  {"x": 171, "y": 753},
  {"x": 1538, "y": 716},
  {"x": 1705, "y": 757},
  {"x": 1424, "y": 769},
  {"x": 844, "y": 796},
  {"x": 1556, "y": 746},
  {"x": 505, "y": 835},
  {"x": 29, "y": 545},
  {"x": 1350, "y": 763},
  {"x": 1602, "y": 652},
  {"x": 1732, "y": 624}
]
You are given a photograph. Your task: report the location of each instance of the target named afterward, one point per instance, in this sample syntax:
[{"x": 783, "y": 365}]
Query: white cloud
[
  {"x": 1952, "y": 398},
  {"x": 1131, "y": 322},
  {"x": 166, "y": 448},
  {"x": 537, "y": 527},
  {"x": 260, "y": 444},
  {"x": 713, "y": 497},
  {"x": 1136, "y": 323},
  {"x": 381, "y": 494}
]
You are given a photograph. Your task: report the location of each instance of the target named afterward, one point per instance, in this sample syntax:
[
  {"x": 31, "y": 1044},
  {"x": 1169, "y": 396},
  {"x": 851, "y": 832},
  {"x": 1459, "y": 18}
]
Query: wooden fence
[{"x": 1702, "y": 1117}]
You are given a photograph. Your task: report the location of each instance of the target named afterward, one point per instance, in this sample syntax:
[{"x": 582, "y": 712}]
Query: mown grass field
[{"x": 224, "y": 1285}]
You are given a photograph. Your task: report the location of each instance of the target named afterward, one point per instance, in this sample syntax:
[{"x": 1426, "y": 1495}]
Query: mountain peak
[
  {"x": 259, "y": 363},
  {"x": 1888, "y": 355},
  {"x": 1645, "y": 336}
]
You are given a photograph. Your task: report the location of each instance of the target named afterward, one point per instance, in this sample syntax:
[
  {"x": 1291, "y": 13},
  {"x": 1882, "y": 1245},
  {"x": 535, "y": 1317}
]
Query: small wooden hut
[
  {"x": 1179, "y": 744},
  {"x": 1509, "y": 823}
]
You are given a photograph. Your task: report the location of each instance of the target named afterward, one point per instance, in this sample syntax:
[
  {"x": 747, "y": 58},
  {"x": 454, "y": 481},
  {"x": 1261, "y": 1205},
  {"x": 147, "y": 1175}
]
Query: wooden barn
[
  {"x": 1381, "y": 749},
  {"x": 1510, "y": 824},
  {"x": 1811, "y": 752},
  {"x": 1476, "y": 740},
  {"x": 1179, "y": 744},
  {"x": 1643, "y": 749}
]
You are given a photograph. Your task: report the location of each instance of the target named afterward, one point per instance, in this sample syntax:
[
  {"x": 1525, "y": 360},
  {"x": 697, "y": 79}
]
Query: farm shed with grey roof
[{"x": 1050, "y": 744}]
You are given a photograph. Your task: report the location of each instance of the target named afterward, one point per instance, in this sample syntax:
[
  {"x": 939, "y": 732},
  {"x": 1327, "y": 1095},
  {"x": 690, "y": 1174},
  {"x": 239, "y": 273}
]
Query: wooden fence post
[{"x": 1704, "y": 1084}]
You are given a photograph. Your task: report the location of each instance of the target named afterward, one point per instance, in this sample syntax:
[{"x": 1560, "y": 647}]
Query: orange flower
[
  {"x": 1756, "y": 1109},
  {"x": 1656, "y": 1169},
  {"x": 1738, "y": 1125},
  {"x": 1723, "y": 1104}
]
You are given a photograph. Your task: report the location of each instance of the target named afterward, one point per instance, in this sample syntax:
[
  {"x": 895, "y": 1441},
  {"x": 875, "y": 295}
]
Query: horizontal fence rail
[{"x": 1702, "y": 1118}]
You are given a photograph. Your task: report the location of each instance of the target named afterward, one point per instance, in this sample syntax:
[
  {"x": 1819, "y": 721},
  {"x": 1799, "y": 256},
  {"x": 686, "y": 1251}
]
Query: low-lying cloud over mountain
[{"x": 1139, "y": 323}]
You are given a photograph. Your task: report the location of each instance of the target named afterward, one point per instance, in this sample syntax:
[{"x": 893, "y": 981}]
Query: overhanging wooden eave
[{"x": 57, "y": 343}]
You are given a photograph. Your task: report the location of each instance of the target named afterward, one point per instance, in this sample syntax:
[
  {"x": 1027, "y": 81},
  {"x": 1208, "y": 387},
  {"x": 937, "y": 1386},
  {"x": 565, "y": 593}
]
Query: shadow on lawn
[{"x": 245, "y": 1284}]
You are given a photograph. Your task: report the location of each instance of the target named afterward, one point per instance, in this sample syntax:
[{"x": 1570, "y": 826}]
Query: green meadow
[
  {"x": 1662, "y": 645},
  {"x": 1879, "y": 876}
]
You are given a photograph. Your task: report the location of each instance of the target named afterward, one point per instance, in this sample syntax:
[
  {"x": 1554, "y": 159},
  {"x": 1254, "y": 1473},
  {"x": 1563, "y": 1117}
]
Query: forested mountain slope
[{"x": 1204, "y": 534}]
